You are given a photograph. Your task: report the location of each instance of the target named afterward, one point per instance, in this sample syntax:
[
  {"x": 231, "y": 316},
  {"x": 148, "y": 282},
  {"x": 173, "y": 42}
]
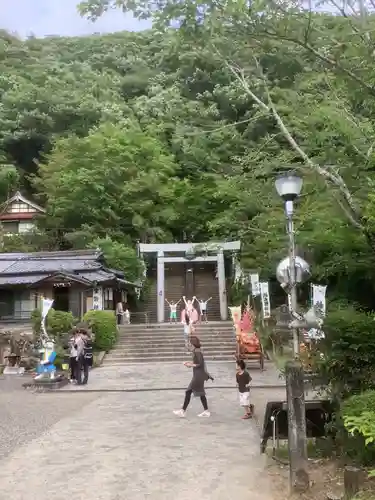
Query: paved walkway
[
  {"x": 129, "y": 445},
  {"x": 156, "y": 376}
]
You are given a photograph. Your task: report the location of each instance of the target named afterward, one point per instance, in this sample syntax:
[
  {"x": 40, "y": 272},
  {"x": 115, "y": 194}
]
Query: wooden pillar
[
  {"x": 297, "y": 441},
  {"x": 352, "y": 482}
]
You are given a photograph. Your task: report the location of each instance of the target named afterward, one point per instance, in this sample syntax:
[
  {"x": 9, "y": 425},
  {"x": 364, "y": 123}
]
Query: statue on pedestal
[
  {"x": 13, "y": 356},
  {"x": 46, "y": 367}
]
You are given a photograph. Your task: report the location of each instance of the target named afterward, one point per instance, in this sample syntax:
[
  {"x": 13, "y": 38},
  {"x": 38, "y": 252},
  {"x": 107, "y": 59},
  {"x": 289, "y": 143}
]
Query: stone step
[
  {"x": 162, "y": 359},
  {"x": 174, "y": 333},
  {"x": 173, "y": 330},
  {"x": 171, "y": 343},
  {"x": 168, "y": 326},
  {"x": 178, "y": 349},
  {"x": 165, "y": 340}
]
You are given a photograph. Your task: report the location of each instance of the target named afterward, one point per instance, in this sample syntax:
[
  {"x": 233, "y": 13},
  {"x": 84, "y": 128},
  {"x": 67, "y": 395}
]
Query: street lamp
[
  {"x": 289, "y": 187},
  {"x": 291, "y": 271}
]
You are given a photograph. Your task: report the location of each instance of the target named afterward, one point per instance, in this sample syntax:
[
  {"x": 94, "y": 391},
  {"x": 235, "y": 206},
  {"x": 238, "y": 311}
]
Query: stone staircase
[
  {"x": 174, "y": 287},
  {"x": 165, "y": 343},
  {"x": 206, "y": 286}
]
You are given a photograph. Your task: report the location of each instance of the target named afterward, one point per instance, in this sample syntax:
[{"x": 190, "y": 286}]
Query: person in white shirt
[
  {"x": 127, "y": 316},
  {"x": 119, "y": 312},
  {"x": 203, "y": 309},
  {"x": 172, "y": 310}
]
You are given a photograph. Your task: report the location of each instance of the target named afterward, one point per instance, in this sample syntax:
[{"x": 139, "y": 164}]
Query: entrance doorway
[{"x": 61, "y": 299}]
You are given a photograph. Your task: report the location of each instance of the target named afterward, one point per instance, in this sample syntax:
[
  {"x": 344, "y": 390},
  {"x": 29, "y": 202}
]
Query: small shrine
[{"x": 249, "y": 346}]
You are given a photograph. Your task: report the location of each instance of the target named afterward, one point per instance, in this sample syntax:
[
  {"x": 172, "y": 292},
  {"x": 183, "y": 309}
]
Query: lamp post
[
  {"x": 290, "y": 272},
  {"x": 289, "y": 187}
]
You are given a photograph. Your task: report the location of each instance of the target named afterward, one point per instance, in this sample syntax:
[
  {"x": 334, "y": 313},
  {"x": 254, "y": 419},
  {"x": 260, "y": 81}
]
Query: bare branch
[
  {"x": 326, "y": 59},
  {"x": 328, "y": 175},
  {"x": 348, "y": 214}
]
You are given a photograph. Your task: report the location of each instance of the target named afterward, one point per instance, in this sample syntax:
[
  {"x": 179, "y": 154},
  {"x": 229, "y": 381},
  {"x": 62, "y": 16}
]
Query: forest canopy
[{"x": 177, "y": 134}]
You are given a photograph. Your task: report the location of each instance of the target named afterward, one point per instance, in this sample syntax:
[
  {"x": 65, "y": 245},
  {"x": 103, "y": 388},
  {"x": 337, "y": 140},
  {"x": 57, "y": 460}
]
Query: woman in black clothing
[{"x": 200, "y": 376}]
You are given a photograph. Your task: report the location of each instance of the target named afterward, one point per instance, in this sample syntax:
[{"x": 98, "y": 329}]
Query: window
[
  {"x": 25, "y": 227},
  {"x": 19, "y": 208},
  {"x": 10, "y": 227},
  {"x": 6, "y": 304},
  {"x": 108, "y": 299}
]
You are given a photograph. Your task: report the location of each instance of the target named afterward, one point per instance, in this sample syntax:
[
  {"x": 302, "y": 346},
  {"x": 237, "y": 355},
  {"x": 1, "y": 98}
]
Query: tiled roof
[
  {"x": 26, "y": 269},
  {"x": 29, "y": 279},
  {"x": 49, "y": 266},
  {"x": 49, "y": 262},
  {"x": 21, "y": 280},
  {"x": 98, "y": 276},
  {"x": 63, "y": 254}
]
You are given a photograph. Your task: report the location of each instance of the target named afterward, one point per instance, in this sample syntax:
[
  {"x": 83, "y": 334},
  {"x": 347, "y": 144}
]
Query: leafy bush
[
  {"x": 349, "y": 352},
  {"x": 59, "y": 322},
  {"x": 36, "y": 319},
  {"x": 358, "y": 416},
  {"x": 104, "y": 327}
]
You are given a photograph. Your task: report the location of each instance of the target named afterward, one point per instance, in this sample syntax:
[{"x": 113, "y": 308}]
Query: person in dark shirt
[
  {"x": 87, "y": 356},
  {"x": 243, "y": 382}
]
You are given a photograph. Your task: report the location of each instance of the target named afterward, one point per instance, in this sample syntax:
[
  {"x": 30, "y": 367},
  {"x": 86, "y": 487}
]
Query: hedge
[
  {"x": 58, "y": 322},
  {"x": 354, "y": 445},
  {"x": 349, "y": 352},
  {"x": 104, "y": 327}
]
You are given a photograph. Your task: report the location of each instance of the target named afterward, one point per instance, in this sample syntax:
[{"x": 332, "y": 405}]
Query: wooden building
[
  {"x": 18, "y": 214},
  {"x": 77, "y": 281}
]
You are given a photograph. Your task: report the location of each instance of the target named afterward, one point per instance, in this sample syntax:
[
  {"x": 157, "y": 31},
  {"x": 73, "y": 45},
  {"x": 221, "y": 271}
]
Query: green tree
[
  {"x": 120, "y": 256},
  {"x": 116, "y": 180}
]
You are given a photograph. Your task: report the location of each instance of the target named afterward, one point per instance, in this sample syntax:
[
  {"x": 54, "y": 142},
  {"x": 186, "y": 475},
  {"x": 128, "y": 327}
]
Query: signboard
[
  {"x": 265, "y": 298},
  {"x": 255, "y": 285},
  {"x": 97, "y": 299},
  {"x": 319, "y": 298}
]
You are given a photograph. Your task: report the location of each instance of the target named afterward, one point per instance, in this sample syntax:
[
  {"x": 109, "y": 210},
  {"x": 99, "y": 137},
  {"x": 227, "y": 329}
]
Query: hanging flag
[
  {"x": 46, "y": 306},
  {"x": 265, "y": 298},
  {"x": 319, "y": 298},
  {"x": 254, "y": 279}
]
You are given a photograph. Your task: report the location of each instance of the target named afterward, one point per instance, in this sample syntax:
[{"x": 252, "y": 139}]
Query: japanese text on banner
[{"x": 265, "y": 297}]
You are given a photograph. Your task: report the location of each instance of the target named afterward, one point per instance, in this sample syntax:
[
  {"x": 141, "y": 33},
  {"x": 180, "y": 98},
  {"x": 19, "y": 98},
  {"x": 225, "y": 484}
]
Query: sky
[{"x": 59, "y": 17}]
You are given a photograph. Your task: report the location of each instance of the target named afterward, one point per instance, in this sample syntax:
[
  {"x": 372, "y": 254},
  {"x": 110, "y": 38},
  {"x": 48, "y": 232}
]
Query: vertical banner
[
  {"x": 46, "y": 306},
  {"x": 265, "y": 298},
  {"x": 97, "y": 299},
  {"x": 319, "y": 298},
  {"x": 255, "y": 285}
]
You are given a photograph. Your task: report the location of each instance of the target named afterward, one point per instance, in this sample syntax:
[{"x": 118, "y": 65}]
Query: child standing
[
  {"x": 243, "y": 381},
  {"x": 127, "y": 316},
  {"x": 172, "y": 310}
]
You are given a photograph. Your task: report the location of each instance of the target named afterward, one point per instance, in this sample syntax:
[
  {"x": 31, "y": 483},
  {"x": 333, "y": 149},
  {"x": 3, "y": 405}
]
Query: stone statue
[{"x": 46, "y": 367}]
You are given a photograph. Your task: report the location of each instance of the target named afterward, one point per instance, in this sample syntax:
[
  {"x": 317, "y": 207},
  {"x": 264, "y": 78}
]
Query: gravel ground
[{"x": 25, "y": 416}]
